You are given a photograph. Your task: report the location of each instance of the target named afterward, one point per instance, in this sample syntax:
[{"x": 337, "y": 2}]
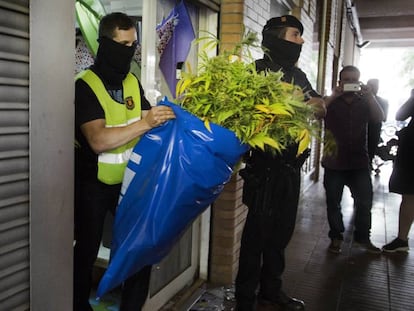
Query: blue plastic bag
[{"x": 175, "y": 172}]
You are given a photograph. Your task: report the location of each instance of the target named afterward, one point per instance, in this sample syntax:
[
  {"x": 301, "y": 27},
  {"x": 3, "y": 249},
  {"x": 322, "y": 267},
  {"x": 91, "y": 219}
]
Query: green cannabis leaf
[
  {"x": 330, "y": 147},
  {"x": 260, "y": 108}
]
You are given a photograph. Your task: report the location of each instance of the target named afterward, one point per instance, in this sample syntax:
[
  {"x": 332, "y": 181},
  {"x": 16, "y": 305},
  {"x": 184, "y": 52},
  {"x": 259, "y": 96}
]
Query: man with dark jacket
[
  {"x": 272, "y": 183},
  {"x": 349, "y": 110}
]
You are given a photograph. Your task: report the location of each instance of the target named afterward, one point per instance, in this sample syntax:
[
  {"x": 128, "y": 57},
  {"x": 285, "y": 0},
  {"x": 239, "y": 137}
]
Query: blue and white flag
[{"x": 175, "y": 36}]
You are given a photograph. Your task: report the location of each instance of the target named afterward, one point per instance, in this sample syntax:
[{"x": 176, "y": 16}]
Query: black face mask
[
  {"x": 113, "y": 60},
  {"x": 282, "y": 52}
]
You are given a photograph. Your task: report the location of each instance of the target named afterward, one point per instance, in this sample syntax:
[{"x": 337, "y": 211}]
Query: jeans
[{"x": 360, "y": 185}]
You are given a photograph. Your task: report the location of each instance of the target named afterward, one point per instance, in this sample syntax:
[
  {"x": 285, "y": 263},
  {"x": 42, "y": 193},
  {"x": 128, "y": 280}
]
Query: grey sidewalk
[{"x": 351, "y": 281}]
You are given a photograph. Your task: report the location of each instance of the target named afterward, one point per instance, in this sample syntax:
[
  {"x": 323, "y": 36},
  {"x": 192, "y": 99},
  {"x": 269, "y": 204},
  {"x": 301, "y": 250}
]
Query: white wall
[
  {"x": 256, "y": 14},
  {"x": 351, "y": 51}
]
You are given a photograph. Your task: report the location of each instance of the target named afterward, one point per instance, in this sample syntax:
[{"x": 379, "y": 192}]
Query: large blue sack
[{"x": 175, "y": 172}]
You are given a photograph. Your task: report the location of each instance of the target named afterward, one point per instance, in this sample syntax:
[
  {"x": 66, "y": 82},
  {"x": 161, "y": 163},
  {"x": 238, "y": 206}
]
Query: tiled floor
[{"x": 351, "y": 281}]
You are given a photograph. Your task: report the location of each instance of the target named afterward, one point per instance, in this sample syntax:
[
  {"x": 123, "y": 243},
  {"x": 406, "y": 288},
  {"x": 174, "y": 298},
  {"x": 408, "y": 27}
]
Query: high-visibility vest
[{"x": 112, "y": 163}]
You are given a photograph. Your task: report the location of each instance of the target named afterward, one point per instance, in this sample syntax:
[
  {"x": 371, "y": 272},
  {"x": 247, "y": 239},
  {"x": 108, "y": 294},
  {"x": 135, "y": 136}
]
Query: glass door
[{"x": 188, "y": 260}]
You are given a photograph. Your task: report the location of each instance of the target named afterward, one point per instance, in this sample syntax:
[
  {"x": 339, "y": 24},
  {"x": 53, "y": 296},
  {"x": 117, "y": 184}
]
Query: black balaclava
[
  {"x": 280, "y": 51},
  {"x": 113, "y": 60}
]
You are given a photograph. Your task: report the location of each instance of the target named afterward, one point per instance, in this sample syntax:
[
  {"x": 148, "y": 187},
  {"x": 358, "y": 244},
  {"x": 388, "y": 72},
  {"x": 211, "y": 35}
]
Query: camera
[{"x": 352, "y": 87}]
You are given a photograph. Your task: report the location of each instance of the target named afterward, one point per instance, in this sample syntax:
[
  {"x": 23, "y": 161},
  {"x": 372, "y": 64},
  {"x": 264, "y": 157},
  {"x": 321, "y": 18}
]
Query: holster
[{"x": 262, "y": 176}]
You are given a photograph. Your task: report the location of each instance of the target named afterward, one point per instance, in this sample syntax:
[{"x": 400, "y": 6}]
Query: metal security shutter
[
  {"x": 14, "y": 155},
  {"x": 212, "y": 4}
]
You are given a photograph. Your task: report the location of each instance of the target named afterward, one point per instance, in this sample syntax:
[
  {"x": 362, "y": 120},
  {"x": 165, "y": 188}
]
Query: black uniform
[{"x": 271, "y": 192}]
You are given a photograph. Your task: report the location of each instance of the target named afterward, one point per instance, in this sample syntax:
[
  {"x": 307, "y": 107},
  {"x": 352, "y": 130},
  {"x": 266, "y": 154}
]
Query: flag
[{"x": 175, "y": 36}]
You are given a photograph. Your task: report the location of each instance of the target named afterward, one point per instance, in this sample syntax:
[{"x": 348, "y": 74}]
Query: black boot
[
  {"x": 284, "y": 302},
  {"x": 245, "y": 306}
]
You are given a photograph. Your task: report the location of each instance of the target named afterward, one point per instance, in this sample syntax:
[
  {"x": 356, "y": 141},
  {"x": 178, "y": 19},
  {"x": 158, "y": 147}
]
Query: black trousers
[
  {"x": 93, "y": 200},
  {"x": 265, "y": 236}
]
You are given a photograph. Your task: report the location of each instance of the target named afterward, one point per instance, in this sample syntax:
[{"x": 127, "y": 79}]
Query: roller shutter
[
  {"x": 14, "y": 155},
  {"x": 212, "y": 4}
]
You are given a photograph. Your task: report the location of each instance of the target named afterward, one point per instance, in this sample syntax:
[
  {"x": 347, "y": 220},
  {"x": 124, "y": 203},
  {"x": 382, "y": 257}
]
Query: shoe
[
  {"x": 245, "y": 306},
  {"x": 335, "y": 246},
  {"x": 397, "y": 245},
  {"x": 368, "y": 246},
  {"x": 284, "y": 302}
]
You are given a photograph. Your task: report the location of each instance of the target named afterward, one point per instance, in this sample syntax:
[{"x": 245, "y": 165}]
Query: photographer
[{"x": 350, "y": 108}]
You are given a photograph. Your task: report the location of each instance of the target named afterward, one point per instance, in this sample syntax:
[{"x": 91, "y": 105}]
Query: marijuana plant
[{"x": 259, "y": 108}]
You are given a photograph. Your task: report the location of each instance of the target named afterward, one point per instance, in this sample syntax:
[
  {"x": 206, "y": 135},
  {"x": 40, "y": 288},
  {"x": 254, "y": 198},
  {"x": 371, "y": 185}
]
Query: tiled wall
[
  {"x": 231, "y": 23},
  {"x": 256, "y": 13},
  {"x": 228, "y": 215},
  {"x": 228, "y": 212}
]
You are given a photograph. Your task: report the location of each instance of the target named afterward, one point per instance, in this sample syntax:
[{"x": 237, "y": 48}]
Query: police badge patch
[{"x": 129, "y": 102}]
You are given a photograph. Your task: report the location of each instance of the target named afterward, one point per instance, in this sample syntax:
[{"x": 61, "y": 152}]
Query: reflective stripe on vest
[{"x": 112, "y": 163}]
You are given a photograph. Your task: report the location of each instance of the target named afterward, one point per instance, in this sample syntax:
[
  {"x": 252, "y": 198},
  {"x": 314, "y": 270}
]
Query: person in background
[
  {"x": 402, "y": 177},
  {"x": 111, "y": 113},
  {"x": 272, "y": 184},
  {"x": 349, "y": 110},
  {"x": 374, "y": 128}
]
